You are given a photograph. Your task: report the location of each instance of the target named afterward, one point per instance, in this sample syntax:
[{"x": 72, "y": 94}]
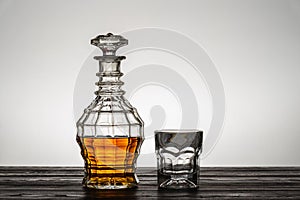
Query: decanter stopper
[{"x": 109, "y": 43}]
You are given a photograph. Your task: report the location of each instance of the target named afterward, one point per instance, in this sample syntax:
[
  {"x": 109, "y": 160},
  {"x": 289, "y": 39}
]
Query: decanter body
[{"x": 110, "y": 131}]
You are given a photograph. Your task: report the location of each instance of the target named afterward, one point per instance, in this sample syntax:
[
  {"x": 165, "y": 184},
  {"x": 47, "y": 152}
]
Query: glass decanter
[{"x": 110, "y": 131}]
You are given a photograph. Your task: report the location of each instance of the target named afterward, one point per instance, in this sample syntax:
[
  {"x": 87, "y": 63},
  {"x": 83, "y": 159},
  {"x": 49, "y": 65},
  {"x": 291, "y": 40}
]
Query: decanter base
[{"x": 108, "y": 183}]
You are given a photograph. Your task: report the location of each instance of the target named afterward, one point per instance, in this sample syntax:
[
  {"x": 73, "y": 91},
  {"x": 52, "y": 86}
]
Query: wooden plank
[{"x": 222, "y": 183}]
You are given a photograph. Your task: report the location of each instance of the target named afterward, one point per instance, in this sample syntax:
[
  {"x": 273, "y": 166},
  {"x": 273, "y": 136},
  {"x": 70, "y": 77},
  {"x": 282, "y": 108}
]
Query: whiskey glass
[{"x": 178, "y": 162}]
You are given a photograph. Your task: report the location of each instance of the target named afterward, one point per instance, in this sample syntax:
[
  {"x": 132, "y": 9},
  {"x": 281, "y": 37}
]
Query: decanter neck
[
  {"x": 109, "y": 64},
  {"x": 109, "y": 76}
]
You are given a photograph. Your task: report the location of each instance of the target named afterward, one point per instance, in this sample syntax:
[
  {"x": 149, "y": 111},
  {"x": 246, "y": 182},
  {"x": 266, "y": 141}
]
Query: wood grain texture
[{"x": 215, "y": 183}]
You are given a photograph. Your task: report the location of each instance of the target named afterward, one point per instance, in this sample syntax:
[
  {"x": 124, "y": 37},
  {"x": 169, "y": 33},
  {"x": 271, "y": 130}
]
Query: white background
[{"x": 255, "y": 46}]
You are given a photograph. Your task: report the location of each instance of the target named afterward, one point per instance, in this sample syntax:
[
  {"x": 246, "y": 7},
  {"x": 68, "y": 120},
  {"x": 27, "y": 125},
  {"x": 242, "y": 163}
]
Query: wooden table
[{"x": 215, "y": 183}]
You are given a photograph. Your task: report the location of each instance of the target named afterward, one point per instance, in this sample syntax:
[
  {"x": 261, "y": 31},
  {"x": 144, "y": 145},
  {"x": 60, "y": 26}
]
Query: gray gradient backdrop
[{"x": 254, "y": 45}]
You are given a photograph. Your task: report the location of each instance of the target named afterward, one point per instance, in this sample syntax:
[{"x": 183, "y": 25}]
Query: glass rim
[{"x": 178, "y": 131}]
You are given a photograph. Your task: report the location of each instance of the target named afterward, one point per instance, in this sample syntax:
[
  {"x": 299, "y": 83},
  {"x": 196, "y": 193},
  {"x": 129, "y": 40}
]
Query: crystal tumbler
[{"x": 178, "y": 160}]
